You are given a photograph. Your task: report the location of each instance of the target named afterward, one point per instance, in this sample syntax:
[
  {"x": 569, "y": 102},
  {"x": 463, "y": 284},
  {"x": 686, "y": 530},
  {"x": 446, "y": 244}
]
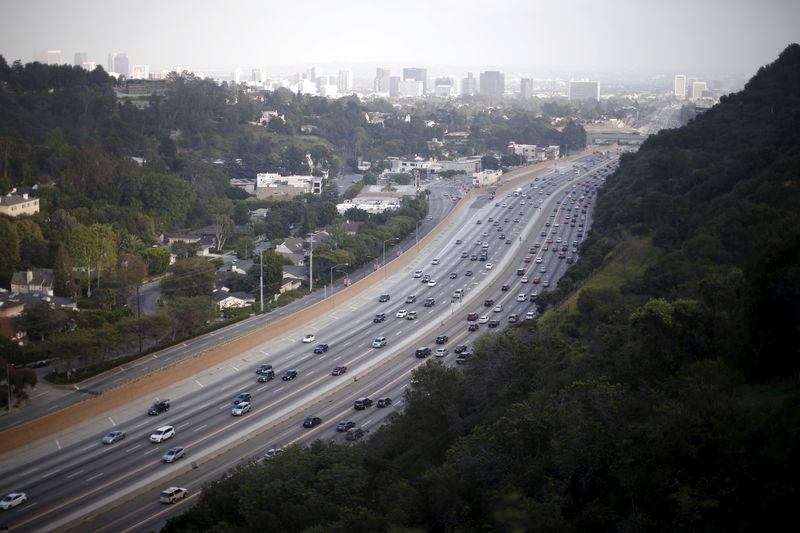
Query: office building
[
  {"x": 54, "y": 57},
  {"x": 584, "y": 90},
  {"x": 89, "y": 65},
  {"x": 526, "y": 88},
  {"x": 345, "y": 81},
  {"x": 80, "y": 59},
  {"x": 492, "y": 83},
  {"x": 698, "y": 88},
  {"x": 680, "y": 86},
  {"x": 417, "y": 74},
  {"x": 394, "y": 86},
  {"x": 469, "y": 85},
  {"x": 382, "y": 78},
  {"x": 140, "y": 72},
  {"x": 444, "y": 87},
  {"x": 121, "y": 64},
  {"x": 255, "y": 75},
  {"x": 410, "y": 88}
]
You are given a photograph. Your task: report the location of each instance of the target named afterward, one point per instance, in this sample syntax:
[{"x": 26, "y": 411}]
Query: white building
[
  {"x": 532, "y": 152},
  {"x": 407, "y": 165},
  {"x": 680, "y": 86},
  {"x": 486, "y": 177},
  {"x": 270, "y": 185},
  {"x": 468, "y": 165},
  {"x": 698, "y": 88},
  {"x": 409, "y": 88},
  {"x": 140, "y": 72},
  {"x": 345, "y": 81}
]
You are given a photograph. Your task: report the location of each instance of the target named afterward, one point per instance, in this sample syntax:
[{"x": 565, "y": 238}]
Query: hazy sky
[{"x": 693, "y": 36}]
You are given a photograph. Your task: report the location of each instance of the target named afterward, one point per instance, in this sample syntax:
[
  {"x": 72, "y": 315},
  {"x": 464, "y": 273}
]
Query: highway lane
[{"x": 206, "y": 406}]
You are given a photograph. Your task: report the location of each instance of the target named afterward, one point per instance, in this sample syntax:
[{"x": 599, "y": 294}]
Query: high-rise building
[
  {"x": 111, "y": 57},
  {"x": 314, "y": 73},
  {"x": 382, "y": 79},
  {"x": 493, "y": 83},
  {"x": 394, "y": 86},
  {"x": 525, "y": 88},
  {"x": 80, "y": 59},
  {"x": 89, "y": 65},
  {"x": 255, "y": 75},
  {"x": 121, "y": 64},
  {"x": 680, "y": 86},
  {"x": 410, "y": 88},
  {"x": 54, "y": 57},
  {"x": 345, "y": 82},
  {"x": 584, "y": 90},
  {"x": 40, "y": 56},
  {"x": 140, "y": 72},
  {"x": 417, "y": 74},
  {"x": 469, "y": 85},
  {"x": 444, "y": 87},
  {"x": 698, "y": 88}
]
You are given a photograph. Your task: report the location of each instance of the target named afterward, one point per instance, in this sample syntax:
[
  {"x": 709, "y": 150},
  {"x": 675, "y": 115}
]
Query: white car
[
  {"x": 12, "y": 500},
  {"x": 483, "y": 319},
  {"x": 163, "y": 433},
  {"x": 435, "y": 261},
  {"x": 441, "y": 352},
  {"x": 521, "y": 297},
  {"x": 530, "y": 315},
  {"x": 418, "y": 273},
  {"x": 489, "y": 266},
  {"x": 538, "y": 259},
  {"x": 173, "y": 494},
  {"x": 498, "y": 308},
  {"x": 380, "y": 341},
  {"x": 309, "y": 338},
  {"x": 401, "y": 313},
  {"x": 241, "y": 408},
  {"x": 432, "y": 283}
]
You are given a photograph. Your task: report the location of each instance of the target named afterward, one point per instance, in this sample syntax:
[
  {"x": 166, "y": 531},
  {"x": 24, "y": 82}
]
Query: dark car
[
  {"x": 488, "y": 303},
  {"x": 429, "y": 302},
  {"x": 321, "y": 348},
  {"x": 493, "y": 323},
  {"x": 269, "y": 375},
  {"x": 289, "y": 375},
  {"x": 263, "y": 369},
  {"x": 473, "y": 327},
  {"x": 384, "y": 401},
  {"x": 344, "y": 425},
  {"x": 460, "y": 348},
  {"x": 312, "y": 421},
  {"x": 159, "y": 407},
  {"x": 505, "y": 288},
  {"x": 441, "y": 339},
  {"x": 468, "y": 273},
  {"x": 338, "y": 371},
  {"x": 355, "y": 433},
  {"x": 380, "y": 317},
  {"x": 384, "y": 298},
  {"x": 243, "y": 397},
  {"x": 362, "y": 403},
  {"x": 423, "y": 352}
]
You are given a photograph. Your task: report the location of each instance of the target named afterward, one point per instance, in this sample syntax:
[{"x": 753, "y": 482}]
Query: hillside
[{"x": 664, "y": 402}]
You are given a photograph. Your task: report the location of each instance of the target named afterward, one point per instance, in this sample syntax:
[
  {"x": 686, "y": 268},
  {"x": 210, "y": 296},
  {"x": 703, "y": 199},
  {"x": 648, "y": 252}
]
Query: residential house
[
  {"x": 294, "y": 249},
  {"x": 16, "y": 203},
  {"x": 37, "y": 280},
  {"x": 225, "y": 299}
]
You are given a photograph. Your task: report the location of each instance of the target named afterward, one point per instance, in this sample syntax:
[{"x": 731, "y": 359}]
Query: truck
[{"x": 518, "y": 192}]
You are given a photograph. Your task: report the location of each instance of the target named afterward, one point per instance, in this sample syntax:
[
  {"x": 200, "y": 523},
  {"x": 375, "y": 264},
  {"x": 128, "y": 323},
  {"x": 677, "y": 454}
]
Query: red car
[
  {"x": 526, "y": 260},
  {"x": 472, "y": 317},
  {"x": 339, "y": 370},
  {"x": 537, "y": 280}
]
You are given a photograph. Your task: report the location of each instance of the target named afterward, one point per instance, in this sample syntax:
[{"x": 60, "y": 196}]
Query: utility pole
[
  {"x": 261, "y": 279},
  {"x": 311, "y": 263}
]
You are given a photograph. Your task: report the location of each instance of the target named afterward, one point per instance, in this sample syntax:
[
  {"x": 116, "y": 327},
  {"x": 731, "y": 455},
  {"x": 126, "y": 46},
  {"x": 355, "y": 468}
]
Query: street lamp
[
  {"x": 384, "y": 254},
  {"x": 416, "y": 234},
  {"x": 334, "y": 267}
]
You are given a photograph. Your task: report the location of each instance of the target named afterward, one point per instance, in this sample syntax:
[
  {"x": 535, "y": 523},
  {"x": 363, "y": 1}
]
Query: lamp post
[
  {"x": 311, "y": 263},
  {"x": 334, "y": 267},
  {"x": 384, "y": 254},
  {"x": 416, "y": 235}
]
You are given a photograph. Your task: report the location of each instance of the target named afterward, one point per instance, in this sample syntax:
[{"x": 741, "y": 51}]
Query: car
[
  {"x": 473, "y": 257},
  {"x": 521, "y": 297},
  {"x": 113, "y": 437},
  {"x": 269, "y": 375},
  {"x": 464, "y": 255},
  {"x": 383, "y": 401},
  {"x": 345, "y": 425},
  {"x": 472, "y": 317},
  {"x": 173, "y": 454},
  {"x": 429, "y": 302},
  {"x": 524, "y": 279},
  {"x": 543, "y": 270},
  {"x": 458, "y": 241},
  {"x": 321, "y": 348},
  {"x": 380, "y": 341},
  {"x": 484, "y": 244},
  {"x": 163, "y": 433},
  {"x": 40, "y": 364},
  {"x": 312, "y": 421},
  {"x": 411, "y": 299},
  {"x": 502, "y": 236},
  {"x": 478, "y": 221},
  {"x": 530, "y": 315},
  {"x": 536, "y": 281},
  {"x": 272, "y": 452},
  {"x": 422, "y": 352},
  {"x": 468, "y": 273},
  {"x": 362, "y": 403},
  {"x": 441, "y": 352},
  {"x": 160, "y": 406},
  {"x": 401, "y": 313},
  {"x": 338, "y": 371},
  {"x": 482, "y": 258},
  {"x": 412, "y": 315},
  {"x": 309, "y": 338},
  {"x": 505, "y": 288},
  {"x": 263, "y": 369},
  {"x": 418, "y": 273},
  {"x": 380, "y": 317},
  {"x": 533, "y": 296},
  {"x": 432, "y": 283},
  {"x": 473, "y": 327},
  {"x": 241, "y": 408},
  {"x": 426, "y": 278},
  {"x": 173, "y": 494},
  {"x": 441, "y": 339},
  {"x": 513, "y": 318},
  {"x": 243, "y": 397},
  {"x": 483, "y": 319},
  {"x": 538, "y": 259},
  {"x": 570, "y": 260},
  {"x": 498, "y": 308},
  {"x": 488, "y": 302},
  {"x": 488, "y": 266},
  {"x": 289, "y": 375},
  {"x": 545, "y": 283},
  {"x": 384, "y": 298},
  {"x": 493, "y": 323},
  {"x": 453, "y": 275},
  {"x": 12, "y": 500},
  {"x": 527, "y": 260},
  {"x": 435, "y": 261},
  {"x": 354, "y": 433},
  {"x": 520, "y": 272}
]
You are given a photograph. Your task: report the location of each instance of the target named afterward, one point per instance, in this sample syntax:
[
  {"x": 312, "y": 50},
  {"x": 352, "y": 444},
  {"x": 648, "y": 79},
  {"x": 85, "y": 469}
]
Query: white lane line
[
  {"x": 279, "y": 388},
  {"x": 261, "y": 388},
  {"x": 225, "y": 406},
  {"x": 287, "y": 339},
  {"x": 345, "y": 345},
  {"x": 38, "y": 395},
  {"x": 137, "y": 426},
  {"x": 54, "y": 472},
  {"x": 29, "y": 472},
  {"x": 52, "y": 407},
  {"x": 201, "y": 427},
  {"x": 133, "y": 448},
  {"x": 337, "y": 358},
  {"x": 233, "y": 367},
  {"x": 201, "y": 385},
  {"x": 58, "y": 444},
  {"x": 150, "y": 451},
  {"x": 155, "y": 356},
  {"x": 398, "y": 333},
  {"x": 308, "y": 373},
  {"x": 94, "y": 477},
  {"x": 112, "y": 421},
  {"x": 75, "y": 474},
  {"x": 367, "y": 422},
  {"x": 264, "y": 352}
]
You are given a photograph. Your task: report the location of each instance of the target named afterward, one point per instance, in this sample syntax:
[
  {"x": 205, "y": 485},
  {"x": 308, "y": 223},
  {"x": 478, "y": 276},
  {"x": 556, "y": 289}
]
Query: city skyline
[{"x": 713, "y": 38}]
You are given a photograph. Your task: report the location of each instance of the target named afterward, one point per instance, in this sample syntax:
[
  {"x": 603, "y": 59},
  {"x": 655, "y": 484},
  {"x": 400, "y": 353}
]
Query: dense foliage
[{"x": 667, "y": 403}]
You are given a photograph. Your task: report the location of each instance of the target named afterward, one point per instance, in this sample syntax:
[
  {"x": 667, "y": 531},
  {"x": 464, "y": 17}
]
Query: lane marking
[
  {"x": 133, "y": 448},
  {"x": 74, "y": 474},
  {"x": 54, "y": 472},
  {"x": 112, "y": 421},
  {"x": 201, "y": 385},
  {"x": 58, "y": 444},
  {"x": 200, "y": 428},
  {"x": 94, "y": 477}
]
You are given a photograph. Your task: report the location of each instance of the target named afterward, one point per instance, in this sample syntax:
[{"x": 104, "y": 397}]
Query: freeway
[{"x": 80, "y": 484}]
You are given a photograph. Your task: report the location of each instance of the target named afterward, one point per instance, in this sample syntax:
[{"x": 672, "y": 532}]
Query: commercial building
[
  {"x": 526, "y": 88},
  {"x": 121, "y": 64},
  {"x": 680, "y": 86},
  {"x": 271, "y": 186},
  {"x": 493, "y": 83},
  {"x": 469, "y": 85},
  {"x": 80, "y": 59},
  {"x": 410, "y": 88},
  {"x": 468, "y": 165},
  {"x": 140, "y": 72},
  {"x": 382, "y": 79},
  {"x": 698, "y": 88},
  {"x": 486, "y": 177},
  {"x": 145, "y": 87},
  {"x": 584, "y": 90},
  {"x": 417, "y": 74},
  {"x": 345, "y": 81},
  {"x": 532, "y": 152}
]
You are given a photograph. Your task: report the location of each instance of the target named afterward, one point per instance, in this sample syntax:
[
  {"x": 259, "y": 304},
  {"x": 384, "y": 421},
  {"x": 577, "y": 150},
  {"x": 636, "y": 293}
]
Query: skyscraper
[
  {"x": 698, "y": 88},
  {"x": 680, "y": 86},
  {"x": 345, "y": 80},
  {"x": 80, "y": 59},
  {"x": 584, "y": 90},
  {"x": 382, "y": 79},
  {"x": 493, "y": 83},
  {"x": 111, "y": 58},
  {"x": 255, "y": 75},
  {"x": 140, "y": 72},
  {"x": 121, "y": 64},
  {"x": 525, "y": 88},
  {"x": 54, "y": 57},
  {"x": 417, "y": 74},
  {"x": 469, "y": 85}
]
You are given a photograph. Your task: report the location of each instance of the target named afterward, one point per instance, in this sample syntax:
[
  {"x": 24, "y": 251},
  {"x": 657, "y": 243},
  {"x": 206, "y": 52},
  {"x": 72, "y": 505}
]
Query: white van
[{"x": 163, "y": 433}]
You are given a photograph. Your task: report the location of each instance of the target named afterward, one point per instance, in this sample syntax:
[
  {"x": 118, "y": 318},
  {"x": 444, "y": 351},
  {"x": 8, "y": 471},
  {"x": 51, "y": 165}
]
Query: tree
[
  {"x": 156, "y": 259},
  {"x": 190, "y": 277},
  {"x": 244, "y": 246},
  {"x": 64, "y": 282},
  {"x": 489, "y": 162},
  {"x": 223, "y": 228},
  {"x": 20, "y": 378},
  {"x": 189, "y": 313},
  {"x": 131, "y": 271},
  {"x": 93, "y": 247},
  {"x": 9, "y": 246},
  {"x": 42, "y": 321}
]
